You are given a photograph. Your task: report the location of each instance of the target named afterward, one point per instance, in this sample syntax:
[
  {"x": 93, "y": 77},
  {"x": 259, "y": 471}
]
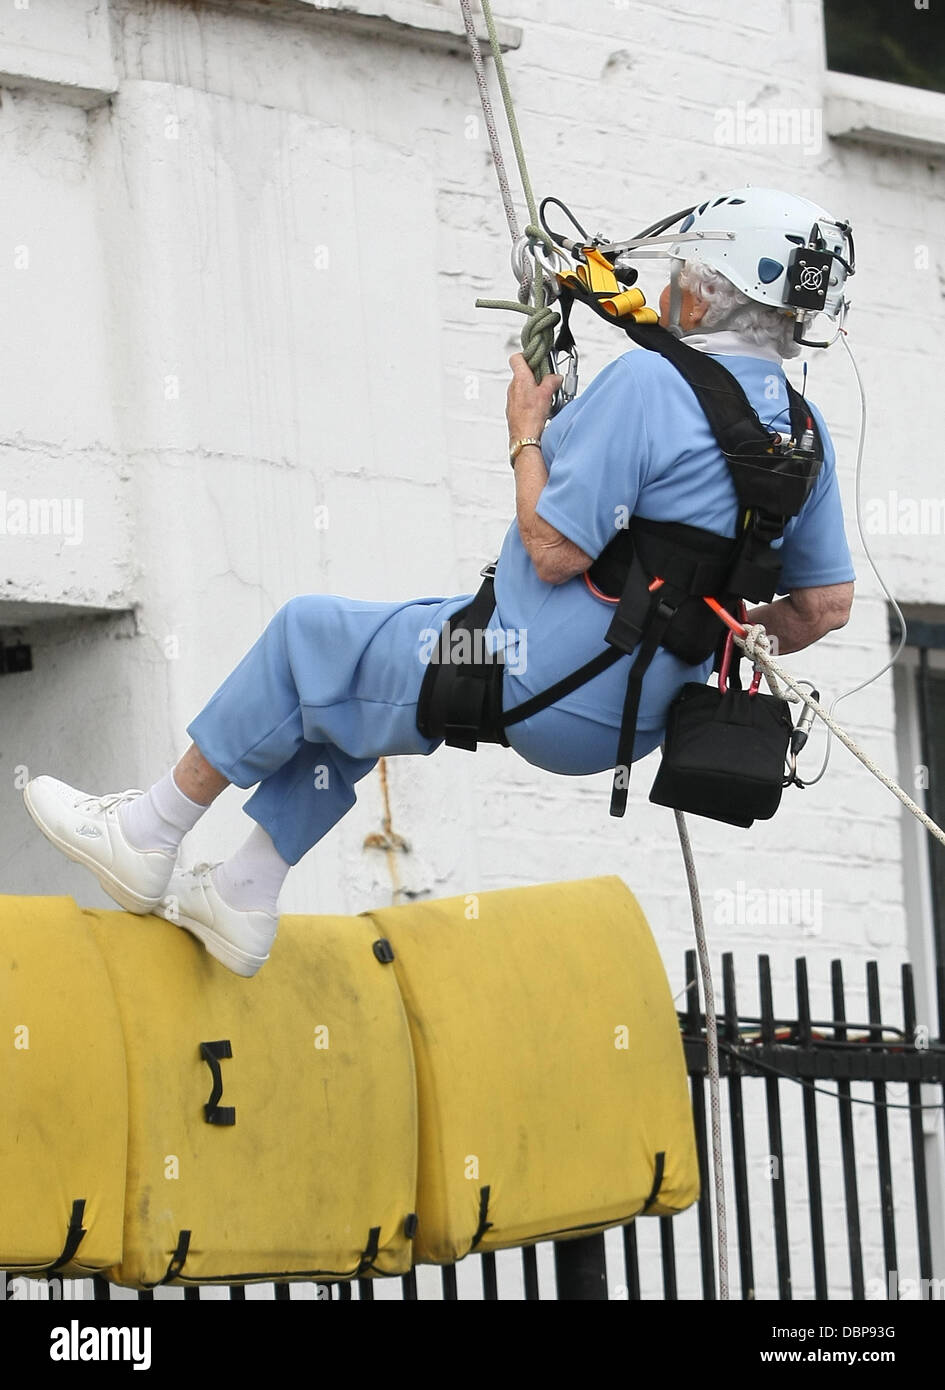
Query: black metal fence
[
  {"x": 831, "y": 1074},
  {"x": 825, "y": 1058}
]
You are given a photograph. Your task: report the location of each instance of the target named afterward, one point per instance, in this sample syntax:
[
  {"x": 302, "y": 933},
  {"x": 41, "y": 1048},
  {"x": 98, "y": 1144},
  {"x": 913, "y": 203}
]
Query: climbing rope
[
  {"x": 537, "y": 346},
  {"x": 712, "y": 1053},
  {"x": 538, "y": 334},
  {"x": 755, "y": 643},
  {"x": 537, "y": 343},
  {"x": 497, "y": 159}
]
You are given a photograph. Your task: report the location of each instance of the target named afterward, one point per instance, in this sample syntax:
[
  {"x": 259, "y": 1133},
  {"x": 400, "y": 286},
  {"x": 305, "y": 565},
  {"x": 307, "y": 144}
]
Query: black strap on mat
[
  {"x": 74, "y": 1236},
  {"x": 176, "y": 1263},
  {"x": 484, "y": 1225},
  {"x": 369, "y": 1253},
  {"x": 214, "y": 1112},
  {"x": 658, "y": 1173},
  {"x": 175, "y": 1268}
]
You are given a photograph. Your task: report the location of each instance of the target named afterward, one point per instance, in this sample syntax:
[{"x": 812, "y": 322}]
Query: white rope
[
  {"x": 757, "y": 646},
  {"x": 712, "y": 1053},
  {"x": 488, "y": 116},
  {"x": 536, "y": 351},
  {"x": 858, "y": 513}
]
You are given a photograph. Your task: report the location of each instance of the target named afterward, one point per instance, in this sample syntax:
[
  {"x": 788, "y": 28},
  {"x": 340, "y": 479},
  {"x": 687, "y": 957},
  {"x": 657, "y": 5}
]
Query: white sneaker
[
  {"x": 86, "y": 828},
  {"x": 239, "y": 940}
]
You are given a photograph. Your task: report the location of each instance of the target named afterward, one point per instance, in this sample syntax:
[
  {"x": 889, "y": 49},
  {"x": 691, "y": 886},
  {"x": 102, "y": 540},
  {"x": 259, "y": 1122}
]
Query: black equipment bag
[{"x": 724, "y": 754}]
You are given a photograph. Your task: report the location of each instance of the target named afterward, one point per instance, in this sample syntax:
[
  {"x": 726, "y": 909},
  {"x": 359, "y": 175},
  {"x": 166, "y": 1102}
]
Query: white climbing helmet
[{"x": 780, "y": 250}]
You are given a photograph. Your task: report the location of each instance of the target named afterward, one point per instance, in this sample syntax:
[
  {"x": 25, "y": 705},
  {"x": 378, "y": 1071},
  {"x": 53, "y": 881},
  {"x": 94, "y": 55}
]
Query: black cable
[
  {"x": 747, "y": 1020},
  {"x": 654, "y": 230},
  {"x": 853, "y": 1100},
  {"x": 557, "y": 239},
  {"x": 661, "y": 226}
]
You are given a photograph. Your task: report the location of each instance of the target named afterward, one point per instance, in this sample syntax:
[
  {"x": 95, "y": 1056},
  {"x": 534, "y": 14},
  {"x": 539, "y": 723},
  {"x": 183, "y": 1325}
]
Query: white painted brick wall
[{"x": 254, "y": 248}]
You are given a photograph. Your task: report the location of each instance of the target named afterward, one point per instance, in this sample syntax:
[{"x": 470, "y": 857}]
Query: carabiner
[
  {"x": 520, "y": 270},
  {"x": 570, "y": 384},
  {"x": 539, "y": 254},
  {"x": 568, "y": 388}
]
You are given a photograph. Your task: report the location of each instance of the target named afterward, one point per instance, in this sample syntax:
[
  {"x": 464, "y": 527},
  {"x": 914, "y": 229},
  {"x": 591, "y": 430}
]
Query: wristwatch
[{"x": 516, "y": 448}]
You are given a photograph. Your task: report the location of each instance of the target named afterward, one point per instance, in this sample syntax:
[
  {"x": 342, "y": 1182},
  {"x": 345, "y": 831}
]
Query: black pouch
[{"x": 723, "y": 754}]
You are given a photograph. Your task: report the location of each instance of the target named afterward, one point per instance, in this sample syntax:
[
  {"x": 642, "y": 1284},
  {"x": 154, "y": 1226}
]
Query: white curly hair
[{"x": 733, "y": 311}]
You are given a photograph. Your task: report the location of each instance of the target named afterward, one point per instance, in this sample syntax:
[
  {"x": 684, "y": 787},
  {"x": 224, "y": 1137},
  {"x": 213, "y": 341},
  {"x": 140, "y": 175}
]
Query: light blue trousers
[{"x": 331, "y": 686}]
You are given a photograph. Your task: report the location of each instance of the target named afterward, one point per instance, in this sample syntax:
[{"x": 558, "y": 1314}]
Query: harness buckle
[{"x": 488, "y": 571}]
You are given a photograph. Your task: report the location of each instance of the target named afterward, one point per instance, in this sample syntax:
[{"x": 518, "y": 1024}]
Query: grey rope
[
  {"x": 756, "y": 645},
  {"x": 510, "y": 214},
  {"x": 712, "y": 1050},
  {"x": 538, "y": 333},
  {"x": 537, "y": 344}
]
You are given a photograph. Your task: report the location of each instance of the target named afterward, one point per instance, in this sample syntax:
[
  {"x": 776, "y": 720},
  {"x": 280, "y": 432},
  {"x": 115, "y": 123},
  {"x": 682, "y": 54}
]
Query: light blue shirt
[{"x": 637, "y": 442}]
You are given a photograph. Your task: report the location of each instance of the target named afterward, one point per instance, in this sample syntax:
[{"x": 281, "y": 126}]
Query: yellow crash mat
[
  {"x": 553, "y": 1096},
  {"x": 316, "y": 1176},
  {"x": 63, "y": 1097}
]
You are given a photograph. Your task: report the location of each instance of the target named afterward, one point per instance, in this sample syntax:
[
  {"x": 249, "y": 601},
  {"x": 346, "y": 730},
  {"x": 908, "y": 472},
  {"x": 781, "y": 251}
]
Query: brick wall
[{"x": 240, "y": 249}]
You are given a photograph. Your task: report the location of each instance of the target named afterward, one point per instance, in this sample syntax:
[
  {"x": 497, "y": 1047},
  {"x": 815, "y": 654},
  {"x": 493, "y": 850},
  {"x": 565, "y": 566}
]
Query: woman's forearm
[
  {"x": 789, "y": 632},
  {"x": 799, "y": 619},
  {"x": 531, "y": 475},
  {"x": 555, "y": 558}
]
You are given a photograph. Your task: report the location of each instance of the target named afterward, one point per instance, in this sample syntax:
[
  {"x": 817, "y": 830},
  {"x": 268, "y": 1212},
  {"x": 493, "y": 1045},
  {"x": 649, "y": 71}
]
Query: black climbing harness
[{"x": 658, "y": 573}]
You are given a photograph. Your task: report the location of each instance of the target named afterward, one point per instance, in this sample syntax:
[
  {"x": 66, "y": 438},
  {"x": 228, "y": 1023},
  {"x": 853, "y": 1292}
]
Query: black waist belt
[{"x": 461, "y": 699}]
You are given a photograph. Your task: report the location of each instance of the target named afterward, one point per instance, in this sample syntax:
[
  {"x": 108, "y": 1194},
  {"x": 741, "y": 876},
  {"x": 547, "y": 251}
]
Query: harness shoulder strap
[{"x": 730, "y": 414}]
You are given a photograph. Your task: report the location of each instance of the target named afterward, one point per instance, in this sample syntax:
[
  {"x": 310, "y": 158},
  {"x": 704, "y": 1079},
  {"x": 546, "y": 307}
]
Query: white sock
[
  {"x": 161, "y": 818},
  {"x": 251, "y": 879}
]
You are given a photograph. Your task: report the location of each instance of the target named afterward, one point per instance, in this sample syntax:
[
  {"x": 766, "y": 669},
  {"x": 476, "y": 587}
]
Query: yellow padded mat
[
  {"x": 405, "y": 1086},
  {"x": 63, "y": 1098},
  {"x": 552, "y": 1084},
  {"x": 317, "y": 1176}
]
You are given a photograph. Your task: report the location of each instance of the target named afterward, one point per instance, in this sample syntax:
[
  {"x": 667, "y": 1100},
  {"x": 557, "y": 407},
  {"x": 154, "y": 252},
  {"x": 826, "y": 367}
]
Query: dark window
[
  {"x": 932, "y": 716},
  {"x": 890, "y": 40},
  {"x": 925, "y": 633}
]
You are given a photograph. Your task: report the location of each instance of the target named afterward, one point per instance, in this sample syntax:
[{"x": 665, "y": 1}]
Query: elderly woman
[{"x": 332, "y": 684}]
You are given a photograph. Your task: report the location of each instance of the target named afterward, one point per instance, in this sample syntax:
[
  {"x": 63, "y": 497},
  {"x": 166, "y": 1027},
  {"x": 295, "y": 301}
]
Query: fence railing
[
  {"x": 817, "y": 1055},
  {"x": 865, "y": 1097}
]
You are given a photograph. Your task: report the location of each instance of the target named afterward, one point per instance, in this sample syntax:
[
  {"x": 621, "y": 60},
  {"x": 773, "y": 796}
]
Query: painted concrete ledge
[
  {"x": 408, "y": 21},
  {"x": 74, "y": 82},
  {"x": 24, "y": 613},
  {"x": 65, "y": 50},
  {"x": 884, "y": 113}
]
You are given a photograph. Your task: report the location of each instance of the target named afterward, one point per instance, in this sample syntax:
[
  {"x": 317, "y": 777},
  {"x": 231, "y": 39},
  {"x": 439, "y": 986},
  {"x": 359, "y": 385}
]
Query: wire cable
[
  {"x": 712, "y": 1052},
  {"x": 812, "y": 1085},
  {"x": 870, "y": 561}
]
